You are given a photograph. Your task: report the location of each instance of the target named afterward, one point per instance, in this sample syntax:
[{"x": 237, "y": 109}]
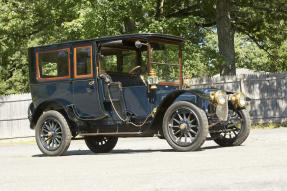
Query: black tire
[
  {"x": 101, "y": 144},
  {"x": 192, "y": 122},
  {"x": 239, "y": 135},
  {"x": 52, "y": 132}
]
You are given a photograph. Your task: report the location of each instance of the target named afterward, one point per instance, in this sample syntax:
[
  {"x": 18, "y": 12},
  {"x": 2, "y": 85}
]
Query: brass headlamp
[
  {"x": 238, "y": 99},
  {"x": 152, "y": 80},
  {"x": 218, "y": 97}
]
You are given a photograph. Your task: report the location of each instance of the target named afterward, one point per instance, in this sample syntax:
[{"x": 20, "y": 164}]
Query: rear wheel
[
  {"x": 101, "y": 144},
  {"x": 52, "y": 132},
  {"x": 236, "y": 131},
  {"x": 185, "y": 126}
]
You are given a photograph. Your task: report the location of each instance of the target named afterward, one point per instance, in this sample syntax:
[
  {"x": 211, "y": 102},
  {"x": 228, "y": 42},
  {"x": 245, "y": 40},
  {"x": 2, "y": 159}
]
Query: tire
[
  {"x": 184, "y": 120},
  {"x": 239, "y": 135},
  {"x": 101, "y": 144},
  {"x": 52, "y": 132}
]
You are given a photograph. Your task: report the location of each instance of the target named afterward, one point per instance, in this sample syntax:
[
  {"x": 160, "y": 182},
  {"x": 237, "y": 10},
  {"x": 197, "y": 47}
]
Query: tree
[
  {"x": 26, "y": 23},
  {"x": 264, "y": 22}
]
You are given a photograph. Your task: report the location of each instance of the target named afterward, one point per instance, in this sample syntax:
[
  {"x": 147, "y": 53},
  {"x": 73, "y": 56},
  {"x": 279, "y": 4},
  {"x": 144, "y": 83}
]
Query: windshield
[
  {"x": 125, "y": 59},
  {"x": 165, "y": 60}
]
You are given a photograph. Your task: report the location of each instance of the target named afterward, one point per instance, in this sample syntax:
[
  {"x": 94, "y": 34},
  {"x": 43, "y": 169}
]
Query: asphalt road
[{"x": 150, "y": 164}]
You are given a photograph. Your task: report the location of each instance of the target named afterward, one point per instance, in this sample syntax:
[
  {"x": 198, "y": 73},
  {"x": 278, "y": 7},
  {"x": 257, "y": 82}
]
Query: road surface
[{"x": 150, "y": 164}]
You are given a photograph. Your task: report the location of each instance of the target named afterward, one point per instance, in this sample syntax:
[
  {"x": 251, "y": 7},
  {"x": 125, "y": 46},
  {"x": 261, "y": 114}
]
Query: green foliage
[{"x": 260, "y": 25}]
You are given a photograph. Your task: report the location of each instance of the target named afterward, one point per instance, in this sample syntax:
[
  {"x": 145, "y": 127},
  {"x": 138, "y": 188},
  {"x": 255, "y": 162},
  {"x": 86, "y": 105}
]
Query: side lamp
[{"x": 152, "y": 80}]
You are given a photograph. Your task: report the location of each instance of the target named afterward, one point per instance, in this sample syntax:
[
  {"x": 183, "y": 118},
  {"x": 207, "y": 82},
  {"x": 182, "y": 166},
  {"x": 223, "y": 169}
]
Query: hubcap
[
  {"x": 50, "y": 134},
  {"x": 183, "y": 127}
]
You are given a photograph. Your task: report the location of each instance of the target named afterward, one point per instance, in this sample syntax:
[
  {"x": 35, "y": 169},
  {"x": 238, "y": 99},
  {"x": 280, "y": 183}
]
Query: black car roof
[{"x": 121, "y": 37}]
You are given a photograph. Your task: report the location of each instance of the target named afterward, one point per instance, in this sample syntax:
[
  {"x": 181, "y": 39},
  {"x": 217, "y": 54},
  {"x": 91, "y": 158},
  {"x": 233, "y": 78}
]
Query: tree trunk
[
  {"x": 225, "y": 34},
  {"x": 130, "y": 26},
  {"x": 159, "y": 8}
]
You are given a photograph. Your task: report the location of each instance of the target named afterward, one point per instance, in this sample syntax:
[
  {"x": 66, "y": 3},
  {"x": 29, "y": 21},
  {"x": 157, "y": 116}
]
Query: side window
[
  {"x": 117, "y": 60},
  {"x": 53, "y": 65},
  {"x": 109, "y": 63},
  {"x": 83, "y": 62}
]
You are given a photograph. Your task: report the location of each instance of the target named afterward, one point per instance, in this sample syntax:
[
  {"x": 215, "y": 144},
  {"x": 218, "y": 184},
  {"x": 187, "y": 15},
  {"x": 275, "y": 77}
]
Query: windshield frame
[{"x": 179, "y": 60}]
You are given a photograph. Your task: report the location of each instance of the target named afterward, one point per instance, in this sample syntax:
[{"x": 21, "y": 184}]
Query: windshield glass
[
  {"x": 165, "y": 62},
  {"x": 126, "y": 59}
]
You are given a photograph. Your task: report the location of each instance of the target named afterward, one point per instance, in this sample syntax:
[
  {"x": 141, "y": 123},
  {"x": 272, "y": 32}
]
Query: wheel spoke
[
  {"x": 236, "y": 128},
  {"x": 188, "y": 117},
  {"x": 46, "y": 127},
  {"x": 177, "y": 132},
  {"x": 235, "y": 133},
  {"x": 44, "y": 136},
  {"x": 178, "y": 122},
  {"x": 191, "y": 121},
  {"x": 58, "y": 136},
  {"x": 58, "y": 129},
  {"x": 191, "y": 137},
  {"x": 175, "y": 126},
  {"x": 57, "y": 140},
  {"x": 181, "y": 119},
  {"x": 184, "y": 116},
  {"x": 179, "y": 138},
  {"x": 192, "y": 131},
  {"x": 50, "y": 125},
  {"x": 53, "y": 142},
  {"x": 45, "y": 130},
  {"x": 48, "y": 139}
]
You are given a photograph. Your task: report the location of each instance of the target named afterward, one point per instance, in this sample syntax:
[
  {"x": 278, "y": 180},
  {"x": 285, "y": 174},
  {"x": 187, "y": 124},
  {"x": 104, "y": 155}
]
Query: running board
[{"x": 111, "y": 134}]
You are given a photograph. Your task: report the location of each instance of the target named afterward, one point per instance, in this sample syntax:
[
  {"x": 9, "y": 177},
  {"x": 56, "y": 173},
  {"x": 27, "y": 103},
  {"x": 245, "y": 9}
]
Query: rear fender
[{"x": 57, "y": 104}]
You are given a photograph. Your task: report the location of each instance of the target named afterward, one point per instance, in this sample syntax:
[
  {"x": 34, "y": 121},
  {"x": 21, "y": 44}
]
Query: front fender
[{"x": 197, "y": 98}]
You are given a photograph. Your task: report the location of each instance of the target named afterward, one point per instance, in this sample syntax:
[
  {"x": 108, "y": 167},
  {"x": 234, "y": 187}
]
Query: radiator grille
[{"x": 222, "y": 111}]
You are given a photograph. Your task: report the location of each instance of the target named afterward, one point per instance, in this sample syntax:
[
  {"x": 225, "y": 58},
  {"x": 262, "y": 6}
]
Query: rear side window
[
  {"x": 53, "y": 65},
  {"x": 83, "y": 62}
]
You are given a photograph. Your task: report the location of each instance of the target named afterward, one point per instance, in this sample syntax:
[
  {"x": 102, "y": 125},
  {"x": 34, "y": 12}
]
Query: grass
[
  {"x": 268, "y": 125},
  {"x": 9, "y": 142}
]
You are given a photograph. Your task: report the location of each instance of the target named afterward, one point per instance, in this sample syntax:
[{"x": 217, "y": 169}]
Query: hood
[{"x": 202, "y": 92}]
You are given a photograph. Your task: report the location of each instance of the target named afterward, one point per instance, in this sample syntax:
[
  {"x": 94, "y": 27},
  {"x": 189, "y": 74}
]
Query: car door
[{"x": 85, "y": 90}]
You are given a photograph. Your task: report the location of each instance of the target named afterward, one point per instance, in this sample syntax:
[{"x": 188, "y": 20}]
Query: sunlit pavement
[{"x": 150, "y": 164}]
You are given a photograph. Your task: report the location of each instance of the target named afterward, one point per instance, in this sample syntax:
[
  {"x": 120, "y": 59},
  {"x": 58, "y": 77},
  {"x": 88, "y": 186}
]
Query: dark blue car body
[{"x": 85, "y": 102}]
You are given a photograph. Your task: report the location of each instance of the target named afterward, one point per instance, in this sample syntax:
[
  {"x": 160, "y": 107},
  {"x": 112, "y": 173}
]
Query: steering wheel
[{"x": 134, "y": 69}]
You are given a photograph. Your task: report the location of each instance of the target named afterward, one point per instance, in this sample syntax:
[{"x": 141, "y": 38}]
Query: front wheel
[
  {"x": 185, "y": 126},
  {"x": 52, "y": 132},
  {"x": 101, "y": 144},
  {"x": 236, "y": 131}
]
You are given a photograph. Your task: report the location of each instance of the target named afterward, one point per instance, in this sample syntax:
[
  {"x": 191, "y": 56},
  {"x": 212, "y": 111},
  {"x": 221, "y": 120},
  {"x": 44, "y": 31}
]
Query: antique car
[{"x": 126, "y": 86}]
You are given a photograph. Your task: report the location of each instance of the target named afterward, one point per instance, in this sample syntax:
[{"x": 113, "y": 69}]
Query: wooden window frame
[
  {"x": 53, "y": 78},
  {"x": 75, "y": 62}
]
